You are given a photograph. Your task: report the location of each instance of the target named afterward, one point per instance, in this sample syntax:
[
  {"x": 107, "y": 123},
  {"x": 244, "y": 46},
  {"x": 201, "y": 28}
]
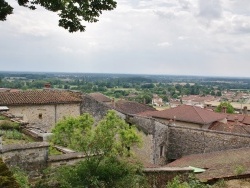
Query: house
[
  {"x": 190, "y": 116},
  {"x": 197, "y": 100},
  {"x": 131, "y": 107},
  {"x": 157, "y": 101},
  {"x": 42, "y": 108},
  {"x": 174, "y": 103},
  {"x": 232, "y": 127},
  {"x": 100, "y": 97}
]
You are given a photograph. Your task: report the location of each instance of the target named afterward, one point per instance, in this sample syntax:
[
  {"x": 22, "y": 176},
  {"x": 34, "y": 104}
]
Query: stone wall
[
  {"x": 152, "y": 132},
  {"x": 155, "y": 140},
  {"x": 65, "y": 159},
  {"x": 45, "y": 117},
  {"x": 159, "y": 177},
  {"x": 30, "y": 157},
  {"x": 185, "y": 141}
]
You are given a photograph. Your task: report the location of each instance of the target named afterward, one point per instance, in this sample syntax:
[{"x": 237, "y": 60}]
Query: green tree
[
  {"x": 106, "y": 147},
  {"x": 71, "y": 12},
  {"x": 227, "y": 105}
]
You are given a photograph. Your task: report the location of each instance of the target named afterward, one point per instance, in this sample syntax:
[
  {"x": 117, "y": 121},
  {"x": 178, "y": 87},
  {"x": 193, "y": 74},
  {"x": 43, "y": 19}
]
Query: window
[
  {"x": 162, "y": 151},
  {"x": 40, "y": 116}
]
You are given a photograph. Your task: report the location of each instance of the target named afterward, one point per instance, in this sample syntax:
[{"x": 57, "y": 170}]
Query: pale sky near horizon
[{"x": 177, "y": 37}]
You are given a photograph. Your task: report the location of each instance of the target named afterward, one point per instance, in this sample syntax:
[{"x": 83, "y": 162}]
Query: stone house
[
  {"x": 42, "y": 108},
  {"x": 157, "y": 101},
  {"x": 101, "y": 98},
  {"x": 188, "y": 116}
]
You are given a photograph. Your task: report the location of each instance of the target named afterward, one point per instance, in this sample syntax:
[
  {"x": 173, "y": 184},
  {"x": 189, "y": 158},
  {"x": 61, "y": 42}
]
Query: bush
[
  {"x": 191, "y": 183},
  {"x": 8, "y": 125},
  {"x": 21, "y": 177},
  {"x": 110, "y": 173},
  {"x": 6, "y": 177},
  {"x": 12, "y": 134}
]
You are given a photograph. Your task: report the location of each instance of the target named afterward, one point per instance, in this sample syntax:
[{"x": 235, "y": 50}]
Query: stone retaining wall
[
  {"x": 30, "y": 157},
  {"x": 185, "y": 141}
]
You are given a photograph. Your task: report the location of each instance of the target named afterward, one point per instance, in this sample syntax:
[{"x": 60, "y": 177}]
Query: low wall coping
[
  {"x": 68, "y": 156},
  {"x": 168, "y": 169},
  {"x": 208, "y": 130},
  {"x": 14, "y": 147}
]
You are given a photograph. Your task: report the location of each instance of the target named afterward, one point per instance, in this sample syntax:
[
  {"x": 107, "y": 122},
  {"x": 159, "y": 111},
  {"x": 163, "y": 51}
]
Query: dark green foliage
[
  {"x": 192, "y": 182},
  {"x": 71, "y": 13},
  {"x": 111, "y": 172},
  {"x": 227, "y": 105},
  {"x": 8, "y": 125},
  {"x": 6, "y": 177},
  {"x": 5, "y": 9},
  {"x": 21, "y": 177},
  {"x": 107, "y": 158}
]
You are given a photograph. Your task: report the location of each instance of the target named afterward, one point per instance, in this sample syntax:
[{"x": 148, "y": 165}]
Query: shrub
[
  {"x": 8, "y": 125},
  {"x": 2, "y": 118},
  {"x": 21, "y": 177},
  {"x": 6, "y": 177},
  {"x": 12, "y": 134}
]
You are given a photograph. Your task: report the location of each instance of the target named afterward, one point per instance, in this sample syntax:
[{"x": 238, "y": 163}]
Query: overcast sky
[{"x": 176, "y": 37}]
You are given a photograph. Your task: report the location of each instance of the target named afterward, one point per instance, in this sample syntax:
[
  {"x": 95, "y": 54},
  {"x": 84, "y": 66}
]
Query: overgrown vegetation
[
  {"x": 8, "y": 125},
  {"x": 21, "y": 177},
  {"x": 10, "y": 132},
  {"x": 108, "y": 163},
  {"x": 192, "y": 182},
  {"x": 6, "y": 177}
]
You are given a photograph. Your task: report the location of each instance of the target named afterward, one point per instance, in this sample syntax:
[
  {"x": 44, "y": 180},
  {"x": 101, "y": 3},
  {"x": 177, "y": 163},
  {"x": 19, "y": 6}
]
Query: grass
[{"x": 14, "y": 137}]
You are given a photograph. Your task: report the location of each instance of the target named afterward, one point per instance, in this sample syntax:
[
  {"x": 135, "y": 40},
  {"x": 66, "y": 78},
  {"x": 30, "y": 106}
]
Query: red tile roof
[
  {"x": 221, "y": 164},
  {"x": 100, "y": 97},
  {"x": 38, "y": 97},
  {"x": 232, "y": 127},
  {"x": 132, "y": 107},
  {"x": 245, "y": 119},
  {"x": 187, "y": 113}
]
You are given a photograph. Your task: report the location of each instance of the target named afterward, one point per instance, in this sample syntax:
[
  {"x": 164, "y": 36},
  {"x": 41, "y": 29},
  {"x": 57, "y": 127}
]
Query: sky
[{"x": 167, "y": 37}]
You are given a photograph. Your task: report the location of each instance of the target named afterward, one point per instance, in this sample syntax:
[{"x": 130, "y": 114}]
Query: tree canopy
[
  {"x": 227, "y": 105},
  {"x": 107, "y": 155},
  {"x": 71, "y": 12}
]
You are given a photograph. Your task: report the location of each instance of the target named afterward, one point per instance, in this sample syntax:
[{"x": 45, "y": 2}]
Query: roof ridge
[{"x": 199, "y": 114}]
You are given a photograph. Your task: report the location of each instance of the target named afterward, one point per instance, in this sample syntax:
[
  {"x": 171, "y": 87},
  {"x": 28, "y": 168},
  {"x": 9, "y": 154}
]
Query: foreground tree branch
[{"x": 71, "y": 12}]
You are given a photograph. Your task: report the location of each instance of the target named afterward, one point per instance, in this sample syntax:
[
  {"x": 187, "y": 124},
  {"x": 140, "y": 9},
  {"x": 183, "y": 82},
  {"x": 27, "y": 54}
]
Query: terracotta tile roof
[
  {"x": 232, "y": 127},
  {"x": 189, "y": 113},
  {"x": 132, "y": 107},
  {"x": 246, "y": 120},
  {"x": 100, "y": 97},
  {"x": 241, "y": 118},
  {"x": 221, "y": 164},
  {"x": 38, "y": 97}
]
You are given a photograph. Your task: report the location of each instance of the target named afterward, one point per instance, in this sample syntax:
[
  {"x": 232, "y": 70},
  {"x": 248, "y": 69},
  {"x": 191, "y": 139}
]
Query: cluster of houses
[{"x": 40, "y": 110}]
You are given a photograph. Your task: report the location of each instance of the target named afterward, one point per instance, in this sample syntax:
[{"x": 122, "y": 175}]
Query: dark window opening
[
  {"x": 40, "y": 116},
  {"x": 161, "y": 151}
]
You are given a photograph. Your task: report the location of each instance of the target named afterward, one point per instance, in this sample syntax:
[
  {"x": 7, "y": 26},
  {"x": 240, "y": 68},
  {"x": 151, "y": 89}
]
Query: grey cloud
[{"x": 210, "y": 9}]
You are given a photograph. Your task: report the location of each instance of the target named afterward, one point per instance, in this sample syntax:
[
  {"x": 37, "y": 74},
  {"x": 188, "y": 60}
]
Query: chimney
[
  {"x": 236, "y": 120},
  {"x": 170, "y": 122},
  {"x": 224, "y": 109},
  {"x": 245, "y": 110}
]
